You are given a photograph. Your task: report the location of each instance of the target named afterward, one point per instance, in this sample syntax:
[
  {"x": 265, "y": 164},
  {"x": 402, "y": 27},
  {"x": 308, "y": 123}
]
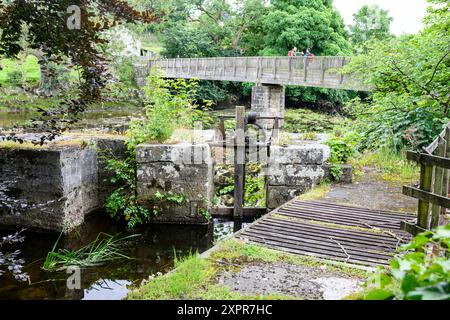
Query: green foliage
[
  {"x": 409, "y": 76},
  {"x": 336, "y": 171},
  {"x": 15, "y": 78},
  {"x": 419, "y": 273},
  {"x": 370, "y": 23},
  {"x": 122, "y": 203},
  {"x": 342, "y": 147},
  {"x": 169, "y": 104},
  {"x": 27, "y": 66},
  {"x": 255, "y": 191},
  {"x": 304, "y": 24},
  {"x": 303, "y": 120},
  {"x": 105, "y": 248}
]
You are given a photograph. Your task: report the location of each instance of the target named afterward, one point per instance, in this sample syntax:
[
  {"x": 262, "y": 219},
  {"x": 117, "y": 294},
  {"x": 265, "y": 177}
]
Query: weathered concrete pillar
[
  {"x": 47, "y": 188},
  {"x": 293, "y": 171},
  {"x": 183, "y": 172},
  {"x": 269, "y": 100}
]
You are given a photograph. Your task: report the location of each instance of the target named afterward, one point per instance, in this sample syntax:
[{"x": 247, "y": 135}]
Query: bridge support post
[{"x": 269, "y": 101}]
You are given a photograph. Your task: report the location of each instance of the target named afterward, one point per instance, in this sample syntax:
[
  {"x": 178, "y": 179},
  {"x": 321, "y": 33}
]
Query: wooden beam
[
  {"x": 426, "y": 196},
  {"x": 229, "y": 212},
  {"x": 428, "y": 160},
  {"x": 438, "y": 184},
  {"x": 239, "y": 164}
]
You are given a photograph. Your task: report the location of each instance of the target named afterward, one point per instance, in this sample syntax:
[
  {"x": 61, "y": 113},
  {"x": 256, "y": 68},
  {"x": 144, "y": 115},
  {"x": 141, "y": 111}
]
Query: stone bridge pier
[{"x": 269, "y": 101}]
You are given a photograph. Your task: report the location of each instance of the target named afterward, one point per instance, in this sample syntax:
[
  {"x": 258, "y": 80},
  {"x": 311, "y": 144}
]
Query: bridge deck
[
  {"x": 331, "y": 231},
  {"x": 320, "y": 72}
]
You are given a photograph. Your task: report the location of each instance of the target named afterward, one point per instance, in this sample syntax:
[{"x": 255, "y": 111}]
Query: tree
[
  {"x": 65, "y": 29},
  {"x": 304, "y": 24},
  {"x": 370, "y": 23},
  {"x": 410, "y": 77}
]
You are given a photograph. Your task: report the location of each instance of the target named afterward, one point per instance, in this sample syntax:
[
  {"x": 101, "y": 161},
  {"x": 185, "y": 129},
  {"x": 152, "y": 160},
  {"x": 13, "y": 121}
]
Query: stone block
[
  {"x": 346, "y": 173},
  {"x": 304, "y": 154},
  {"x": 295, "y": 175},
  {"x": 181, "y": 169},
  {"x": 47, "y": 189},
  {"x": 279, "y": 195}
]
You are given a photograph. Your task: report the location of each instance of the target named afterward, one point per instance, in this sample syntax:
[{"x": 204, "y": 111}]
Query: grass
[
  {"x": 11, "y": 145},
  {"x": 316, "y": 193},
  {"x": 105, "y": 248},
  {"x": 195, "y": 276},
  {"x": 394, "y": 167},
  {"x": 30, "y": 69}
]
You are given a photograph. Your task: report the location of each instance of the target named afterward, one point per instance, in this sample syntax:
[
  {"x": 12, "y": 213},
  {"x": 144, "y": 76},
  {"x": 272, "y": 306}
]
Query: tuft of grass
[
  {"x": 394, "y": 167},
  {"x": 316, "y": 193},
  {"x": 105, "y": 248}
]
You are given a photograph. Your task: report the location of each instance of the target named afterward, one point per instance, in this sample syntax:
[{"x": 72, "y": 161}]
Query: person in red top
[{"x": 292, "y": 52}]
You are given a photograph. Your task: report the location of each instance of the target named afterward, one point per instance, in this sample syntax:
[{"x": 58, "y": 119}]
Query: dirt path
[{"x": 370, "y": 191}]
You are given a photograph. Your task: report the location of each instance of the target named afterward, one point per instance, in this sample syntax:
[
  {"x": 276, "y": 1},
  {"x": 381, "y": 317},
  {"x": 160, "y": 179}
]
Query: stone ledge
[{"x": 307, "y": 154}]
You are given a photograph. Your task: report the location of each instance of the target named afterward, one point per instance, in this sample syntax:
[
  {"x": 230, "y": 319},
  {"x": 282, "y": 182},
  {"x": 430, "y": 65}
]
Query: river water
[{"x": 153, "y": 251}]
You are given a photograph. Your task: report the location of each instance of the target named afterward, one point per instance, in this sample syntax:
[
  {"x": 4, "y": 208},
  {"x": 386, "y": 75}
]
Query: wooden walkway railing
[
  {"x": 434, "y": 183},
  {"x": 302, "y": 71}
]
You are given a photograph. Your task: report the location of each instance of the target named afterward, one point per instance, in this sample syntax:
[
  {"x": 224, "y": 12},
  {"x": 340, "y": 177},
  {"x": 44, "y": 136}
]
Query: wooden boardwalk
[
  {"x": 331, "y": 231},
  {"x": 322, "y": 72}
]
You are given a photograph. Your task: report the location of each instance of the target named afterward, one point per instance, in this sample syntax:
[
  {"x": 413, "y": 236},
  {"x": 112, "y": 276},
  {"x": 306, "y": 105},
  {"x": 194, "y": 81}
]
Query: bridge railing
[
  {"x": 317, "y": 71},
  {"x": 432, "y": 192}
]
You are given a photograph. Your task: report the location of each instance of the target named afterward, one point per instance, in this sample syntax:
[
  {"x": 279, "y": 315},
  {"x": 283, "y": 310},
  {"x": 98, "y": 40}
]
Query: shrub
[
  {"x": 15, "y": 78},
  {"x": 420, "y": 272}
]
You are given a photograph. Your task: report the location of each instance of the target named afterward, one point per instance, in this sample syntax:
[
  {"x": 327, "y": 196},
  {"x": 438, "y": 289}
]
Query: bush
[
  {"x": 15, "y": 78},
  {"x": 420, "y": 272},
  {"x": 343, "y": 147}
]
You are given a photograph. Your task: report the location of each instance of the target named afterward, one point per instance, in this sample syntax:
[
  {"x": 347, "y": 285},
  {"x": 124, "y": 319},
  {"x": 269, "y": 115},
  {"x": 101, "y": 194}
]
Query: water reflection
[{"x": 152, "y": 252}]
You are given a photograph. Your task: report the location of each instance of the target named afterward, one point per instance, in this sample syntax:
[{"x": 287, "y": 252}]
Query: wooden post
[
  {"x": 305, "y": 68},
  {"x": 426, "y": 175},
  {"x": 438, "y": 183},
  {"x": 235, "y": 67},
  {"x": 239, "y": 164},
  {"x": 246, "y": 68},
  {"x": 290, "y": 70},
  {"x": 445, "y": 176},
  {"x": 323, "y": 70},
  {"x": 342, "y": 75},
  {"x": 275, "y": 68}
]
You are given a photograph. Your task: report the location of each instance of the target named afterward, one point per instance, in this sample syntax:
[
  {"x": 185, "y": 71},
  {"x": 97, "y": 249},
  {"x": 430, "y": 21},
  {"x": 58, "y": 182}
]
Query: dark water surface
[{"x": 151, "y": 252}]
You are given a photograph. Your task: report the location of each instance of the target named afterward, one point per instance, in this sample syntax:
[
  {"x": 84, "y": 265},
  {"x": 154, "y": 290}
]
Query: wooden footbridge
[{"x": 320, "y": 71}]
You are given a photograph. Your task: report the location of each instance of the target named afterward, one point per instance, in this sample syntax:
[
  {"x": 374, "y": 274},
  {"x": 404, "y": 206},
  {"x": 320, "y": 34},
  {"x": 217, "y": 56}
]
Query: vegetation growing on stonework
[{"x": 169, "y": 104}]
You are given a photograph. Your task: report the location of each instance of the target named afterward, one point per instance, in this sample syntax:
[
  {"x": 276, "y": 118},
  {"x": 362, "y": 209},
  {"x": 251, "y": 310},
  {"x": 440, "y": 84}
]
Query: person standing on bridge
[
  {"x": 309, "y": 57},
  {"x": 293, "y": 52}
]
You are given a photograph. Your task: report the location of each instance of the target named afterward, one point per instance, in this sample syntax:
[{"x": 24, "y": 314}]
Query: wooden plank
[
  {"x": 318, "y": 242},
  {"x": 427, "y": 197},
  {"x": 375, "y": 212},
  {"x": 428, "y": 159},
  {"x": 224, "y": 212},
  {"x": 446, "y": 178},
  {"x": 239, "y": 163},
  {"x": 303, "y": 233},
  {"x": 355, "y": 235},
  {"x": 438, "y": 184},
  {"x": 349, "y": 211},
  {"x": 305, "y": 247}
]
